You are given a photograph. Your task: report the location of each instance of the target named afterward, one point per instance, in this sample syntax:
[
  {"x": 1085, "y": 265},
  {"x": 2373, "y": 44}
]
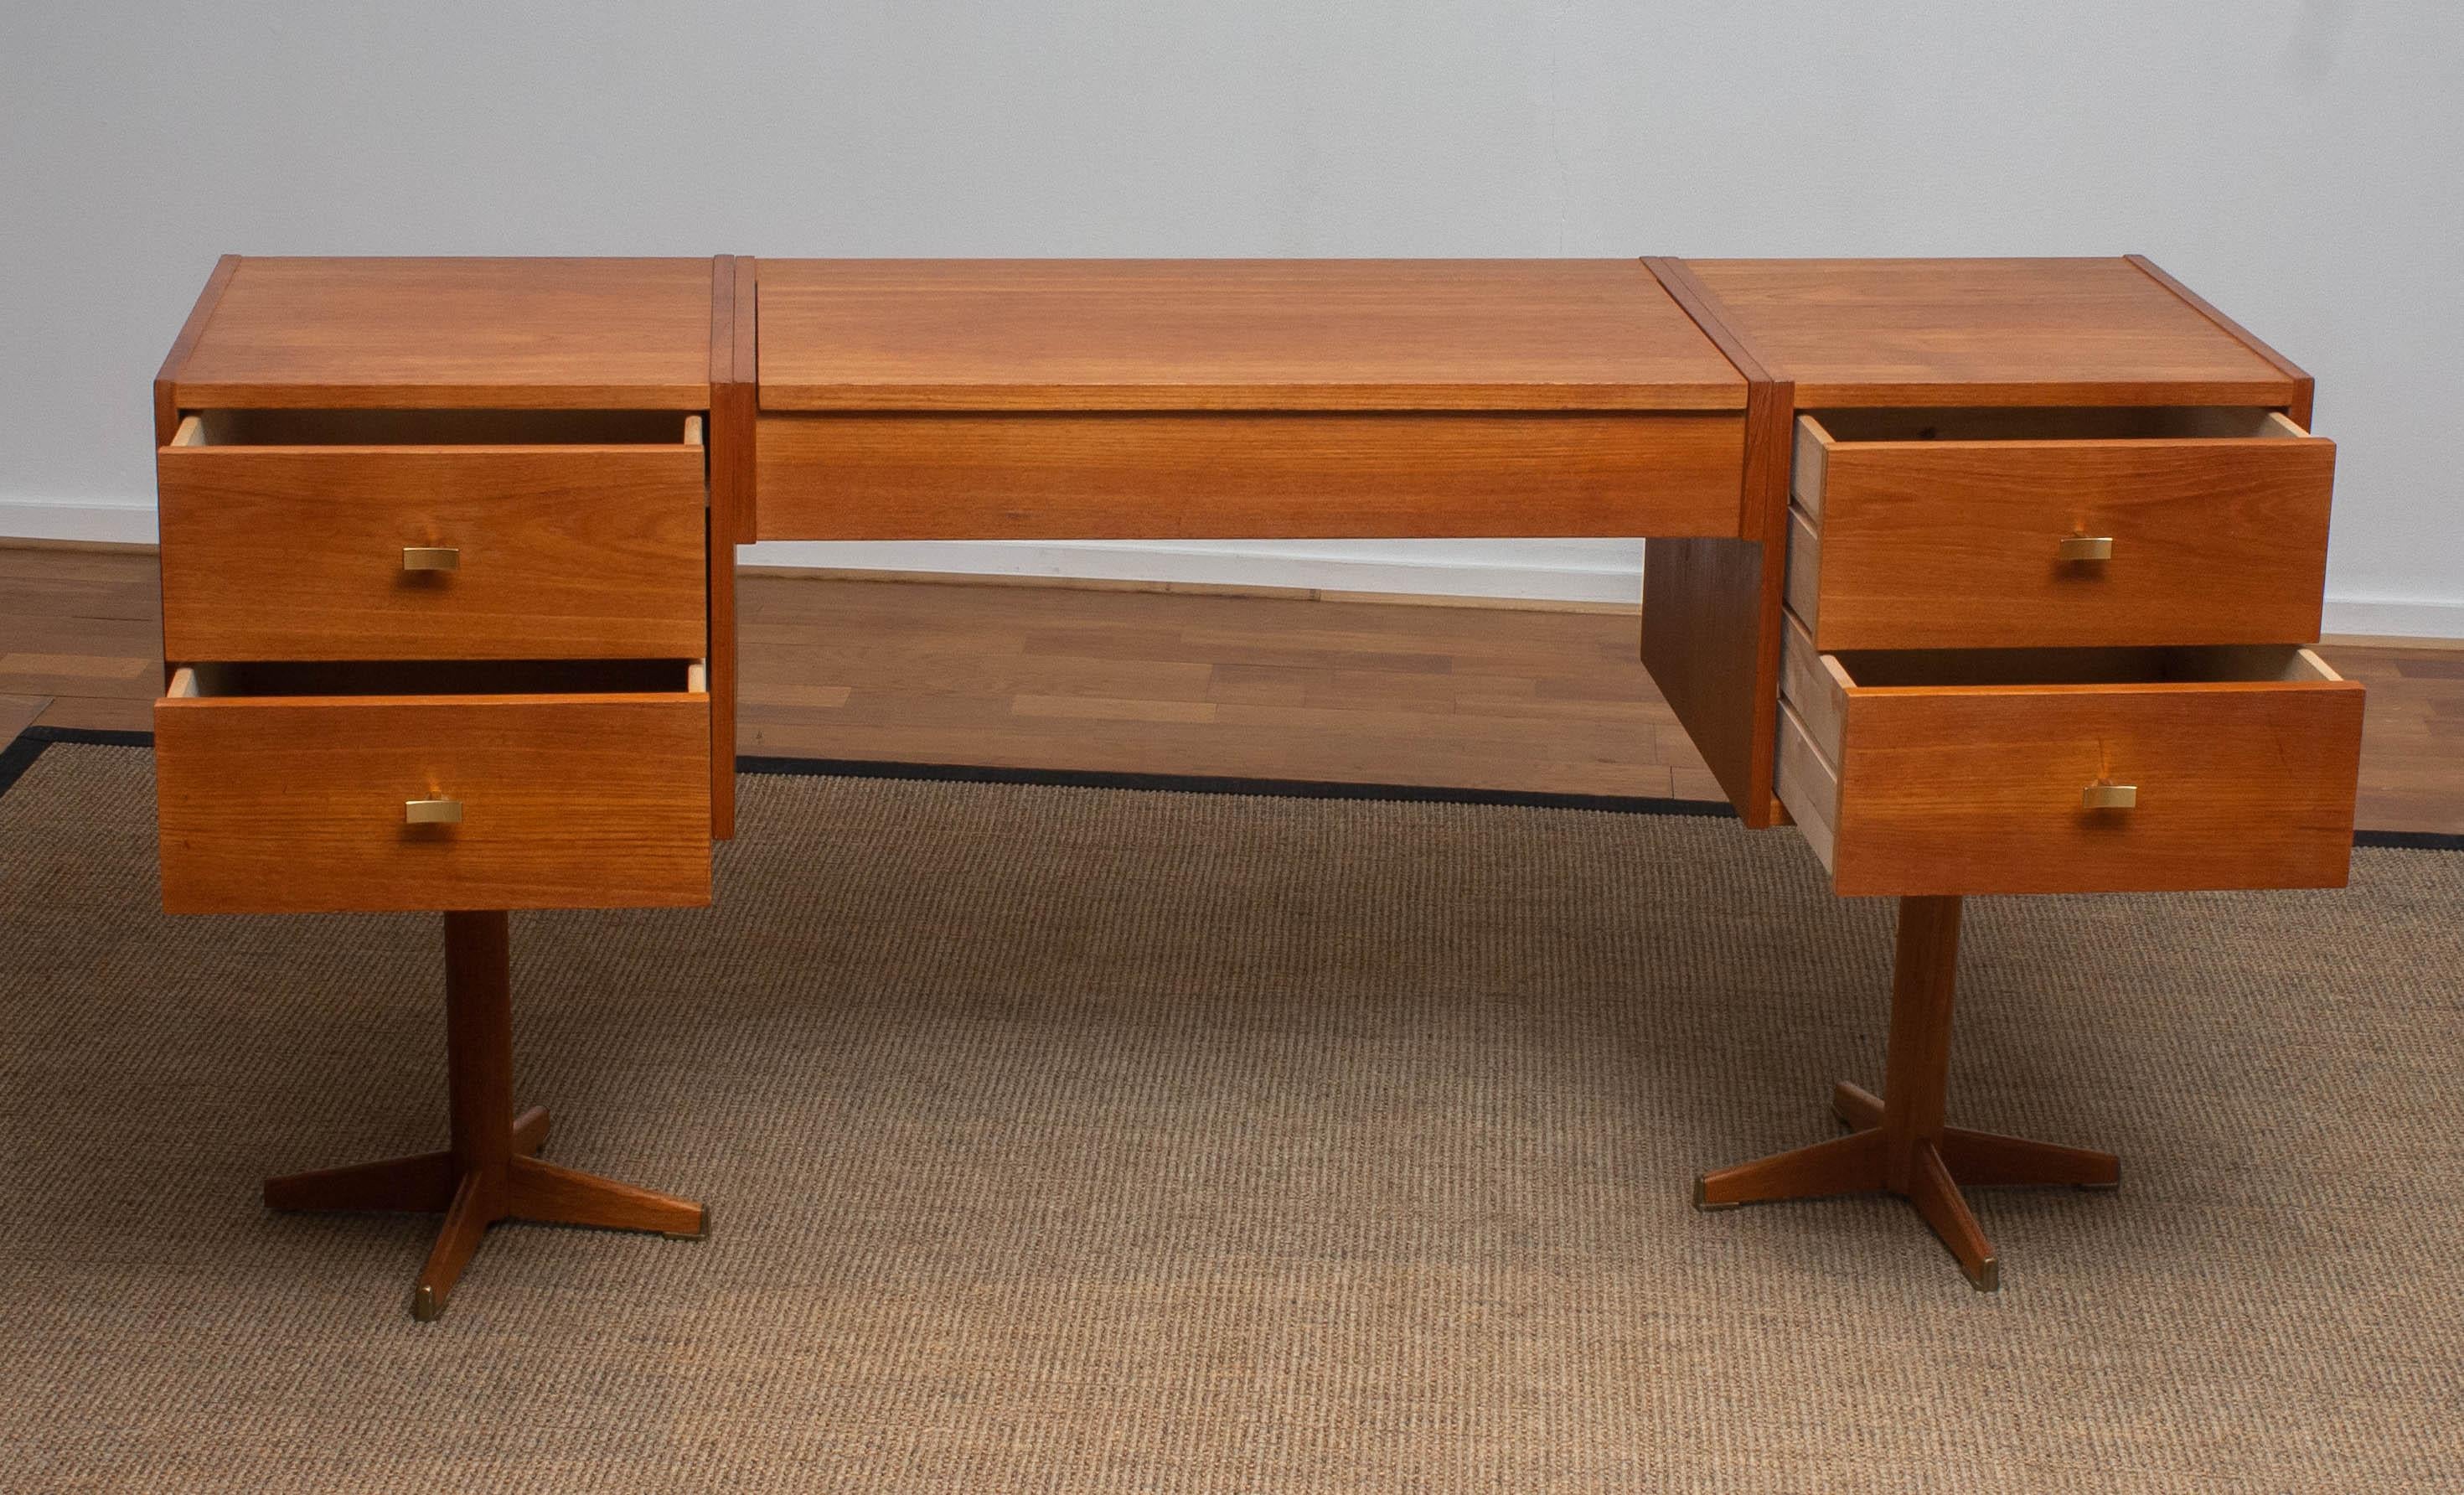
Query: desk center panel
[{"x": 1247, "y": 474}]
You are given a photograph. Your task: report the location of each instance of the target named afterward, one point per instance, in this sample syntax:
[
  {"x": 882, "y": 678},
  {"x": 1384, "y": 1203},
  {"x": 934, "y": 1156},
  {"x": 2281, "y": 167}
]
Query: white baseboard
[
  {"x": 2394, "y": 617},
  {"x": 1558, "y": 570},
  {"x": 117, "y": 523}
]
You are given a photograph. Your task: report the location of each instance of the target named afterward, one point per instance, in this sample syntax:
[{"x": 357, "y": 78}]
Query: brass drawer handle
[
  {"x": 2109, "y": 795},
  {"x": 431, "y": 558},
  {"x": 2088, "y": 547},
  {"x": 432, "y": 812}
]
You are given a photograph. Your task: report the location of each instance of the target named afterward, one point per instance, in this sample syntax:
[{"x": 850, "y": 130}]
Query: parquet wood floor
[{"x": 1175, "y": 682}]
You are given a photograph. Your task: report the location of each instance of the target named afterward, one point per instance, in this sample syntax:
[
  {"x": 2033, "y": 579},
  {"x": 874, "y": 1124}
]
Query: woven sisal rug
[{"x": 1077, "y": 1139}]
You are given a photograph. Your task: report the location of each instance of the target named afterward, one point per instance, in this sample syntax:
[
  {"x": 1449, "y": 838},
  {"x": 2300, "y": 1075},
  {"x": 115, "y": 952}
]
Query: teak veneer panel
[
  {"x": 1946, "y": 791},
  {"x": 566, "y": 552},
  {"x": 1157, "y": 475},
  {"x": 2304, "y": 387},
  {"x": 2035, "y": 332},
  {"x": 1711, "y": 606},
  {"x": 1231, "y": 335},
  {"x": 1972, "y": 783},
  {"x": 453, "y": 333},
  {"x": 732, "y": 412},
  {"x": 293, "y": 804},
  {"x": 166, "y": 379},
  {"x": 1955, "y": 544}
]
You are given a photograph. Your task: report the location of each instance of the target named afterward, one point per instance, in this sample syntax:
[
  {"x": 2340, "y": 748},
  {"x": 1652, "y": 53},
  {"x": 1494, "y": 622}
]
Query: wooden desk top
[
  {"x": 1900, "y": 332},
  {"x": 445, "y": 333},
  {"x": 1228, "y": 335},
  {"x": 1193, "y": 334}
]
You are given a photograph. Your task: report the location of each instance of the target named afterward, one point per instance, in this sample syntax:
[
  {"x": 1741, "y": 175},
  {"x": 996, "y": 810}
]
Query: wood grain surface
[
  {"x": 1956, "y": 544},
  {"x": 166, "y": 379},
  {"x": 1977, "y": 788},
  {"x": 446, "y": 333},
  {"x": 1319, "y": 474},
  {"x": 2016, "y": 332},
  {"x": 1711, "y": 607},
  {"x": 1705, "y": 603},
  {"x": 1411, "y": 333},
  {"x": 295, "y": 805},
  {"x": 2304, "y": 387},
  {"x": 296, "y": 552},
  {"x": 733, "y": 414}
]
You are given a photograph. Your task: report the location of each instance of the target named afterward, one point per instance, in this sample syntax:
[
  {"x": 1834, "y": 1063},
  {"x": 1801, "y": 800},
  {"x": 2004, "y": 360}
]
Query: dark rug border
[
  {"x": 20, "y": 755},
  {"x": 1204, "y": 783}
]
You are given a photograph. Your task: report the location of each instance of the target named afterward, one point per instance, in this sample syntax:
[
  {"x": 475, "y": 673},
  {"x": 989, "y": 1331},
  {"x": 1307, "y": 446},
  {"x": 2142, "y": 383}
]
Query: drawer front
[
  {"x": 308, "y": 553},
  {"x": 1983, "y": 791},
  {"x": 1923, "y": 544},
  {"x": 1240, "y": 475},
  {"x": 2007, "y": 789},
  {"x": 301, "y": 805}
]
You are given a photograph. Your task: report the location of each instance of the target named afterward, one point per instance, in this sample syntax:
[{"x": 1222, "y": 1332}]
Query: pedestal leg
[
  {"x": 1932, "y": 1188},
  {"x": 1901, "y": 1144},
  {"x": 489, "y": 1174},
  {"x": 1843, "y": 1165},
  {"x": 1983, "y": 1159}
]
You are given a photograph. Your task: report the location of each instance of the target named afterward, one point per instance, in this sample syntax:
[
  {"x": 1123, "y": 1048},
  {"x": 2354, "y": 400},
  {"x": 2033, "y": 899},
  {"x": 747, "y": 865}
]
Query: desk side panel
[
  {"x": 1711, "y": 607},
  {"x": 731, "y": 416}
]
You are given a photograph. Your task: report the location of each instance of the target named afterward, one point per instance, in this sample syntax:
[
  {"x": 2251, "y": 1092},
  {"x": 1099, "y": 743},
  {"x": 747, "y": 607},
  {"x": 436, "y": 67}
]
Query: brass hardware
[
  {"x": 431, "y": 558},
  {"x": 2088, "y": 547},
  {"x": 1701, "y": 1203},
  {"x": 2103, "y": 796},
  {"x": 432, "y": 812}
]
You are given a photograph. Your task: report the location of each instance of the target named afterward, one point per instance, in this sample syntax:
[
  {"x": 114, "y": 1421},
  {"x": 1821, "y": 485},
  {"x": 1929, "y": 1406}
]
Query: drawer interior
[
  {"x": 456, "y": 677},
  {"x": 2179, "y": 422},
  {"x": 437, "y": 429},
  {"x": 1883, "y": 668}
]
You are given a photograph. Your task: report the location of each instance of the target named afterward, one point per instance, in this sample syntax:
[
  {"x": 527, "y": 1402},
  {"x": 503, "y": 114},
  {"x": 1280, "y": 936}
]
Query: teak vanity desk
[{"x": 1990, "y": 576}]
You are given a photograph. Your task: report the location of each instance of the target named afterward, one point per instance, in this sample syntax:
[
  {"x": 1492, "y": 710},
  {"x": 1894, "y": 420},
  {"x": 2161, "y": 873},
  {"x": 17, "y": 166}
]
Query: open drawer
[
  {"x": 288, "y": 789},
  {"x": 2070, "y": 770},
  {"x": 2055, "y": 528},
  {"x": 377, "y": 534}
]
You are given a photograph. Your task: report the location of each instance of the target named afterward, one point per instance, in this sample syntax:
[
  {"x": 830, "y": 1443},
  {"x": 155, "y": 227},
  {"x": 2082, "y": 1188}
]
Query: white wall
[{"x": 2297, "y": 160}]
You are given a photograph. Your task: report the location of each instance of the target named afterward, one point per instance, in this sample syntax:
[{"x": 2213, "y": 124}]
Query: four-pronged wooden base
[
  {"x": 490, "y": 1172},
  {"x": 1901, "y": 1145}
]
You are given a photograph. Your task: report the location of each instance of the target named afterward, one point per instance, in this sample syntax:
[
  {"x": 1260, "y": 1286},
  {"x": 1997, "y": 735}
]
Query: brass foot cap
[
  {"x": 425, "y": 1305},
  {"x": 699, "y": 1231},
  {"x": 1988, "y": 1277},
  {"x": 1702, "y": 1202}
]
